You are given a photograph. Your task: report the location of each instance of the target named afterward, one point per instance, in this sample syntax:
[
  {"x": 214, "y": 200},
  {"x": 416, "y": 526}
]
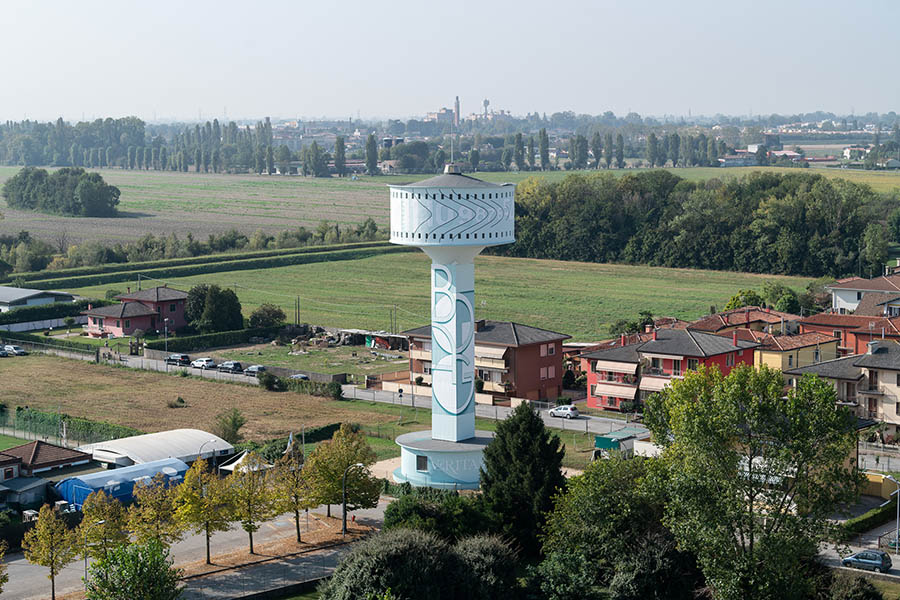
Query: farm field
[
  {"x": 580, "y": 299},
  {"x": 164, "y": 202},
  {"x": 358, "y": 360}
]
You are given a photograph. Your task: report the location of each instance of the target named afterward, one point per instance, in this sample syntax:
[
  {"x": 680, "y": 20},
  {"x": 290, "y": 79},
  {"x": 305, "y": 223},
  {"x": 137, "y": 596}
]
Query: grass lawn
[
  {"x": 337, "y": 359},
  {"x": 7, "y": 441},
  {"x": 204, "y": 203},
  {"x": 889, "y": 589},
  {"x": 306, "y": 596},
  {"x": 580, "y": 299}
]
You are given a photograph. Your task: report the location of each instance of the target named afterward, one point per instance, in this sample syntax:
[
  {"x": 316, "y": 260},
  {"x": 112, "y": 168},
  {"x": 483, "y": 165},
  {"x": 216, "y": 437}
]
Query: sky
[{"x": 169, "y": 60}]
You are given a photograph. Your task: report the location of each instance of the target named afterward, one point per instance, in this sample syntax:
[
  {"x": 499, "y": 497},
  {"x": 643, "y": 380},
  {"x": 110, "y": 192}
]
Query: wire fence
[{"x": 58, "y": 429}]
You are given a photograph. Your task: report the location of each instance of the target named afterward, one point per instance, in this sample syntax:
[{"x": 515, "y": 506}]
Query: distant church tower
[{"x": 456, "y": 112}]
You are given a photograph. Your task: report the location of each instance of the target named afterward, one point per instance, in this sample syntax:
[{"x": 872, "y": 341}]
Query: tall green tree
[
  {"x": 104, "y": 524},
  {"x": 141, "y": 571},
  {"x": 519, "y": 152},
  {"x": 520, "y": 475},
  {"x": 340, "y": 156},
  {"x": 597, "y": 148},
  {"x": 876, "y": 249},
  {"x": 152, "y": 516},
  {"x": 293, "y": 490},
  {"x": 712, "y": 152},
  {"x": 674, "y": 148},
  {"x": 620, "y": 151},
  {"x": 608, "y": 146},
  {"x": 752, "y": 473},
  {"x": 506, "y": 158},
  {"x": 326, "y": 465},
  {"x": 203, "y": 503},
  {"x": 474, "y": 159},
  {"x": 283, "y": 159},
  {"x": 50, "y": 544},
  {"x": 652, "y": 148},
  {"x": 530, "y": 157},
  {"x": 270, "y": 160},
  {"x": 251, "y": 489},
  {"x": 371, "y": 155},
  {"x": 221, "y": 311},
  {"x": 544, "y": 143}
]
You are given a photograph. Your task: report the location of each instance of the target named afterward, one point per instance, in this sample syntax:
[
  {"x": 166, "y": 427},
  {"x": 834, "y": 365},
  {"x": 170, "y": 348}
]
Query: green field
[
  {"x": 579, "y": 299},
  {"x": 163, "y": 202},
  {"x": 7, "y": 441}
]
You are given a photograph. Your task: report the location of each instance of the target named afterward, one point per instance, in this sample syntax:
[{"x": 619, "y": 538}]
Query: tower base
[{"x": 426, "y": 462}]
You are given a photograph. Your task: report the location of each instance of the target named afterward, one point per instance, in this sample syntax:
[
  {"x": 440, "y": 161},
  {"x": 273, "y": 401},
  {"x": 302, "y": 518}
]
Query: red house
[
  {"x": 843, "y": 327},
  {"x": 148, "y": 310},
  {"x": 631, "y": 372}
]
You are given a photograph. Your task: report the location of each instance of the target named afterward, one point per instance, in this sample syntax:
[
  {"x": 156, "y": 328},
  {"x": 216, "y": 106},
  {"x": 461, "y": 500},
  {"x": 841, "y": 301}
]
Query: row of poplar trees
[{"x": 205, "y": 504}]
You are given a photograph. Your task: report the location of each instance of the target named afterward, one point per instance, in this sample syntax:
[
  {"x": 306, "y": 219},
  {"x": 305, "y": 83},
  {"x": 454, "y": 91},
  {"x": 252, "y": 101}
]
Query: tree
[
  {"x": 196, "y": 301},
  {"x": 597, "y": 148},
  {"x": 788, "y": 303},
  {"x": 251, "y": 490},
  {"x": 876, "y": 248},
  {"x": 51, "y": 544},
  {"x": 845, "y": 586},
  {"x": 530, "y": 157},
  {"x": 744, "y": 298},
  {"x": 674, "y": 148},
  {"x": 228, "y": 425},
  {"x": 292, "y": 487},
  {"x": 104, "y": 524},
  {"x": 474, "y": 158},
  {"x": 712, "y": 152},
  {"x": 152, "y": 516},
  {"x": 487, "y": 560},
  {"x": 580, "y": 152},
  {"x": 270, "y": 160},
  {"x": 620, "y": 151},
  {"x": 283, "y": 159},
  {"x": 221, "y": 311},
  {"x": 135, "y": 572},
  {"x": 4, "y": 575},
  {"x": 203, "y": 502},
  {"x": 544, "y": 143},
  {"x": 652, "y": 148},
  {"x": 762, "y": 156},
  {"x": 753, "y": 473},
  {"x": 444, "y": 513},
  {"x": 340, "y": 156},
  {"x": 266, "y": 315},
  {"x": 520, "y": 475},
  {"x": 371, "y": 155},
  {"x": 519, "y": 152},
  {"x": 894, "y": 225},
  {"x": 328, "y": 462}
]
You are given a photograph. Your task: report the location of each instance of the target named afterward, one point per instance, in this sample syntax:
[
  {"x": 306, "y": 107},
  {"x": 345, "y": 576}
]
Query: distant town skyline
[{"x": 204, "y": 60}]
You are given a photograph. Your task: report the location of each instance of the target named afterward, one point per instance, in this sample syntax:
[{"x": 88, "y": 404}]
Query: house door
[{"x": 152, "y": 323}]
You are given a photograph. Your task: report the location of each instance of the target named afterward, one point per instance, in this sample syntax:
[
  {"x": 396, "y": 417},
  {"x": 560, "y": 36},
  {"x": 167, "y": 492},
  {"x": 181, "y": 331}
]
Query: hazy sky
[{"x": 403, "y": 58}]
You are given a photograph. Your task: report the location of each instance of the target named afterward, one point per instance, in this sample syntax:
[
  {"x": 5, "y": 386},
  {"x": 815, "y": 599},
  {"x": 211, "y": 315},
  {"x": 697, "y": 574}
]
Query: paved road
[
  {"x": 27, "y": 581},
  {"x": 581, "y": 424}
]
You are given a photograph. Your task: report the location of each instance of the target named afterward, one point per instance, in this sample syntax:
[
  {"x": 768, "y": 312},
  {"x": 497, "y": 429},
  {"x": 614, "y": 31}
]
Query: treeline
[
  {"x": 67, "y": 191},
  {"x": 24, "y": 254},
  {"x": 797, "y": 223}
]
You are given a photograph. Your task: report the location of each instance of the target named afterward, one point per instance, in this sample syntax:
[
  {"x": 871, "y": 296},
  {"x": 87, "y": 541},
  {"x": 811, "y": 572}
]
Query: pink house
[{"x": 148, "y": 310}]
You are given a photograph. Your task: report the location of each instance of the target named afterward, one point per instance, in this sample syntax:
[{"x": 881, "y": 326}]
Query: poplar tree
[
  {"x": 50, "y": 544},
  {"x": 530, "y": 156},
  {"x": 104, "y": 524},
  {"x": 597, "y": 148},
  {"x": 152, "y": 516},
  {"x": 203, "y": 502},
  {"x": 620, "y": 151},
  {"x": 652, "y": 149},
  {"x": 340, "y": 157},
  {"x": 371, "y": 155},
  {"x": 198, "y": 160},
  {"x": 544, "y": 141},
  {"x": 608, "y": 144},
  {"x": 674, "y": 148},
  {"x": 270, "y": 160},
  {"x": 251, "y": 492},
  {"x": 474, "y": 158},
  {"x": 519, "y": 152}
]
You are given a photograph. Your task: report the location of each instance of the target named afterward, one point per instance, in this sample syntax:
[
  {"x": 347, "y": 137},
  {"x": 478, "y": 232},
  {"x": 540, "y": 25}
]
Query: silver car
[
  {"x": 566, "y": 412},
  {"x": 203, "y": 363},
  {"x": 15, "y": 350}
]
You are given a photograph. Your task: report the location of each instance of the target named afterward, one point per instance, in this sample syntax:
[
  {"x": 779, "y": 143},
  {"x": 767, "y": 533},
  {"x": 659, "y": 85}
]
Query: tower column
[{"x": 453, "y": 342}]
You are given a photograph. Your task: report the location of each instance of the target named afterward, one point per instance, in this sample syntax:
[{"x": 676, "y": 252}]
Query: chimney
[
  {"x": 872, "y": 347},
  {"x": 479, "y": 325},
  {"x": 747, "y": 316},
  {"x": 90, "y": 306},
  {"x": 654, "y": 334},
  {"x": 622, "y": 340},
  {"x": 734, "y": 337},
  {"x": 648, "y": 328}
]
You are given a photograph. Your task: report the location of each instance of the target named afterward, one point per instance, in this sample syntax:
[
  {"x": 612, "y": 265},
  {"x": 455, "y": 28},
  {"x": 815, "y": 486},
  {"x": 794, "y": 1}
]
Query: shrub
[
  {"x": 267, "y": 315},
  {"x": 487, "y": 560},
  {"x": 568, "y": 379},
  {"x": 869, "y": 520},
  {"x": 176, "y": 403},
  {"x": 8, "y": 337},
  {"x": 191, "y": 343},
  {"x": 270, "y": 382},
  {"x": 420, "y": 379},
  {"x": 443, "y": 513},
  {"x": 228, "y": 425},
  {"x": 111, "y": 294},
  {"x": 183, "y": 373},
  {"x": 479, "y": 385}
]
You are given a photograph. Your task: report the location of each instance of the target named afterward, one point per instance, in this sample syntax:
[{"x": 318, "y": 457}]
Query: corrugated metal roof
[{"x": 10, "y": 294}]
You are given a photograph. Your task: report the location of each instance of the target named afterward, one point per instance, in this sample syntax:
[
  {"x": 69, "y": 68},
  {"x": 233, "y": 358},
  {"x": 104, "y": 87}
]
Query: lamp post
[
  {"x": 897, "y": 531},
  {"x": 86, "y": 529},
  {"x": 344, "y": 496},
  {"x": 200, "y": 452}
]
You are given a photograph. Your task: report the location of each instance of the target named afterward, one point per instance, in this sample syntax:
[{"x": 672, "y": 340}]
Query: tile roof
[
  {"x": 872, "y": 303},
  {"x": 120, "y": 311},
  {"x": 628, "y": 353},
  {"x": 783, "y": 343},
  {"x": 37, "y": 454},
  {"x": 157, "y": 294},
  {"x": 887, "y": 283},
  {"x": 740, "y": 316},
  {"x": 883, "y": 354},
  {"x": 502, "y": 333},
  {"x": 836, "y": 320},
  {"x": 839, "y": 368},
  {"x": 685, "y": 342},
  {"x": 875, "y": 325}
]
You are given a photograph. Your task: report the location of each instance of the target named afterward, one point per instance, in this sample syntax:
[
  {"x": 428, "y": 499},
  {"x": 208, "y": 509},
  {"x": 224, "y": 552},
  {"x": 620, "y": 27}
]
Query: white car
[
  {"x": 203, "y": 363},
  {"x": 15, "y": 350},
  {"x": 567, "y": 412}
]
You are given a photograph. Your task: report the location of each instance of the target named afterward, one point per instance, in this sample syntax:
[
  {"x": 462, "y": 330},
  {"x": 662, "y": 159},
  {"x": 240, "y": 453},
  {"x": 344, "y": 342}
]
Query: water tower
[{"x": 452, "y": 217}]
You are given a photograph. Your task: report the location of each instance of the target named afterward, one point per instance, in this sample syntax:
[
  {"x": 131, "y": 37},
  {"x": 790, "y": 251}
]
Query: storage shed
[
  {"x": 184, "y": 444},
  {"x": 119, "y": 483}
]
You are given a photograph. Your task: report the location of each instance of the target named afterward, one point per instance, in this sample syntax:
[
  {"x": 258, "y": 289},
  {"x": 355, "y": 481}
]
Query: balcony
[
  {"x": 872, "y": 391},
  {"x": 420, "y": 354},
  {"x": 493, "y": 386},
  {"x": 484, "y": 362},
  {"x": 655, "y": 372}
]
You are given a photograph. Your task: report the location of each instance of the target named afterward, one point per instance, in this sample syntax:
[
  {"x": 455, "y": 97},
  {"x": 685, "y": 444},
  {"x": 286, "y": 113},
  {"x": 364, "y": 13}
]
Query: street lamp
[
  {"x": 897, "y": 531},
  {"x": 344, "y": 495},
  {"x": 200, "y": 453},
  {"x": 86, "y": 529}
]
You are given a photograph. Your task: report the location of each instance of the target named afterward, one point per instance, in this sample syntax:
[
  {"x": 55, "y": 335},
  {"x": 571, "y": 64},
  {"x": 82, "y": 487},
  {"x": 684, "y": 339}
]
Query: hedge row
[
  {"x": 205, "y": 268},
  {"x": 77, "y": 428},
  {"x": 212, "y": 340},
  {"x": 57, "y": 310},
  {"x": 869, "y": 520},
  {"x": 191, "y": 260},
  {"x": 12, "y": 337},
  {"x": 273, "y": 449}
]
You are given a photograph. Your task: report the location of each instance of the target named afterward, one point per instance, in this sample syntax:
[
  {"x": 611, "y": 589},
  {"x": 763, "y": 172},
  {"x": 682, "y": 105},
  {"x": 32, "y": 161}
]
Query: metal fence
[{"x": 53, "y": 349}]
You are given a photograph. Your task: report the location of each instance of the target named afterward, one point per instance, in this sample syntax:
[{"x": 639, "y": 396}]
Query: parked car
[
  {"x": 300, "y": 377},
  {"x": 566, "y": 412},
  {"x": 3, "y": 353},
  {"x": 15, "y": 350},
  {"x": 178, "y": 359},
  {"x": 869, "y": 560},
  {"x": 254, "y": 370},
  {"x": 231, "y": 366},
  {"x": 203, "y": 363}
]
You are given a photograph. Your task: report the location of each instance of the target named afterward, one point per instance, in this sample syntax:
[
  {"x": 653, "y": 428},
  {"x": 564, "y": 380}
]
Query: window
[
  {"x": 791, "y": 382},
  {"x": 8, "y": 473},
  {"x": 100, "y": 322},
  {"x": 543, "y": 350},
  {"x": 172, "y": 307},
  {"x": 729, "y": 359},
  {"x": 859, "y": 295},
  {"x": 693, "y": 363},
  {"x": 543, "y": 373},
  {"x": 898, "y": 381},
  {"x": 836, "y": 333},
  {"x": 426, "y": 368},
  {"x": 551, "y": 349},
  {"x": 676, "y": 367},
  {"x": 790, "y": 360},
  {"x": 816, "y": 355},
  {"x": 118, "y": 323},
  {"x": 551, "y": 372},
  {"x": 873, "y": 380},
  {"x": 654, "y": 363},
  {"x": 421, "y": 463}
]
